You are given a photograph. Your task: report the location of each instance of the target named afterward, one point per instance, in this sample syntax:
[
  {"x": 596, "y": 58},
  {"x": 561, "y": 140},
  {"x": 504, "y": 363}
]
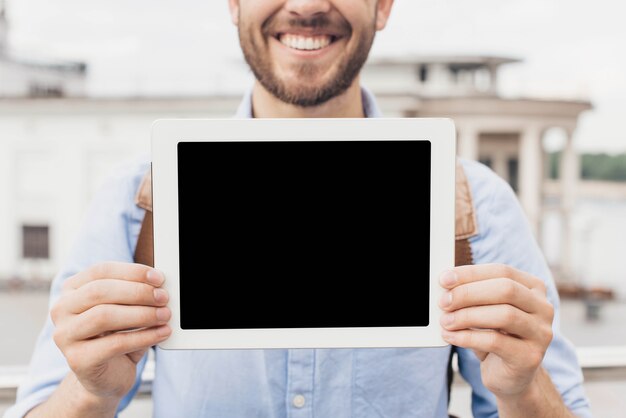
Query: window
[
  {"x": 512, "y": 166},
  {"x": 423, "y": 73},
  {"x": 44, "y": 90},
  {"x": 487, "y": 161},
  {"x": 35, "y": 241}
]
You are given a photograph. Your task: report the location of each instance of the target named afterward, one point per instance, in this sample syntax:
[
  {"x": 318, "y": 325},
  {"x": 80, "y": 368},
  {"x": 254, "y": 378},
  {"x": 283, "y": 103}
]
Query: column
[
  {"x": 499, "y": 161},
  {"x": 439, "y": 78},
  {"x": 529, "y": 178},
  {"x": 493, "y": 76},
  {"x": 468, "y": 143},
  {"x": 569, "y": 173}
]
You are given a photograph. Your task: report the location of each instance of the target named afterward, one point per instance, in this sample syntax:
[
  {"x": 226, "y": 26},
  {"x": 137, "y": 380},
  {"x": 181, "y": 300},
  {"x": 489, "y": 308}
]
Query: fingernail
[
  {"x": 160, "y": 295},
  {"x": 163, "y": 331},
  {"x": 447, "y": 319},
  {"x": 446, "y": 299},
  {"x": 163, "y": 314},
  {"x": 448, "y": 278},
  {"x": 155, "y": 277}
]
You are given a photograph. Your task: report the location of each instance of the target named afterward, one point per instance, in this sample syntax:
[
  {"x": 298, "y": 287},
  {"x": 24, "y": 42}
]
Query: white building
[
  {"x": 22, "y": 75},
  {"x": 506, "y": 134},
  {"x": 57, "y": 145}
]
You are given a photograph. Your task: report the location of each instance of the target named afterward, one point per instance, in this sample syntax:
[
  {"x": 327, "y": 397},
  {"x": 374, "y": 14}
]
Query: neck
[{"x": 347, "y": 105}]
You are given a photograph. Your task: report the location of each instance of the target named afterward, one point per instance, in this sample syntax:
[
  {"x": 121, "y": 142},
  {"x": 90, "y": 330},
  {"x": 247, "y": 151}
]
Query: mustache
[{"x": 339, "y": 26}]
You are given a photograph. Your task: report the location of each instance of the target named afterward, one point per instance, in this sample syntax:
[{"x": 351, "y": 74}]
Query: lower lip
[{"x": 313, "y": 53}]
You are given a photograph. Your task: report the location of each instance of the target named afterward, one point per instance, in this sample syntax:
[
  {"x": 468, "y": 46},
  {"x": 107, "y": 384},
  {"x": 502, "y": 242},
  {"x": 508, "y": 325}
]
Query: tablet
[{"x": 303, "y": 233}]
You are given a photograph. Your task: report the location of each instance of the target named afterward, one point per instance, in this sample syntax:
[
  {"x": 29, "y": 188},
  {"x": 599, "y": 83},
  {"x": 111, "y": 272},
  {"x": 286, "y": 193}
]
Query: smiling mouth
[{"x": 306, "y": 42}]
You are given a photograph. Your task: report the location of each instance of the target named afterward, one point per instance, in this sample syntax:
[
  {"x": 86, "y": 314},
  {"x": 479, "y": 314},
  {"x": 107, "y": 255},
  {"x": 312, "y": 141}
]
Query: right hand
[{"x": 106, "y": 319}]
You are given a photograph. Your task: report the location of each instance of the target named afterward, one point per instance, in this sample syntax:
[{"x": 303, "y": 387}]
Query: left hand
[{"x": 504, "y": 316}]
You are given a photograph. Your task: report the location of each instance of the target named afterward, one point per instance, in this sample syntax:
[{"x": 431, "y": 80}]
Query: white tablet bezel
[{"x": 167, "y": 133}]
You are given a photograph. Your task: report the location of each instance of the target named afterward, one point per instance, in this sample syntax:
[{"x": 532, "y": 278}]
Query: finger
[
  {"x": 99, "y": 350},
  {"x": 480, "y": 354},
  {"x": 113, "y": 291},
  {"x": 492, "y": 292},
  {"x": 512, "y": 350},
  {"x": 136, "y": 356},
  {"x": 497, "y": 317},
  {"x": 106, "y": 318},
  {"x": 460, "y": 275},
  {"x": 116, "y": 270}
]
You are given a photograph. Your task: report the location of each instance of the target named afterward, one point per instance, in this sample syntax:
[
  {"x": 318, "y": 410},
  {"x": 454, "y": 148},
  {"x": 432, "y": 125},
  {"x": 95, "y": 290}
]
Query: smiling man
[
  {"x": 303, "y": 54},
  {"x": 501, "y": 313}
]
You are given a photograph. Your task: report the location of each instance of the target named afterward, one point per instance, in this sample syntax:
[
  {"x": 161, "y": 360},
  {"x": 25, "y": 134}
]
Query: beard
[{"x": 304, "y": 92}]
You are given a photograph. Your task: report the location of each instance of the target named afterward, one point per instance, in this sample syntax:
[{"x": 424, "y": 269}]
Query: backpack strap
[
  {"x": 465, "y": 220},
  {"x": 144, "y": 251},
  {"x": 465, "y": 228}
]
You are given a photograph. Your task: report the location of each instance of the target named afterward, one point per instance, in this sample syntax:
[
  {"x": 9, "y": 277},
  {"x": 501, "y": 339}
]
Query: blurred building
[
  {"x": 505, "y": 134},
  {"x": 57, "y": 144},
  {"x": 34, "y": 76}
]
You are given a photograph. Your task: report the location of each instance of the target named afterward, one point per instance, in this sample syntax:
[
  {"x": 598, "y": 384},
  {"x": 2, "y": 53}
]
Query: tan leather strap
[
  {"x": 465, "y": 220},
  {"x": 143, "y": 198},
  {"x": 465, "y": 228},
  {"x": 144, "y": 251},
  {"x": 463, "y": 252}
]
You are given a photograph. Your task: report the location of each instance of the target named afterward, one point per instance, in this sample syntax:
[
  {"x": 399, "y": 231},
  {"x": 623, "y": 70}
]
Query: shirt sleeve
[
  {"x": 505, "y": 237},
  {"x": 109, "y": 233}
]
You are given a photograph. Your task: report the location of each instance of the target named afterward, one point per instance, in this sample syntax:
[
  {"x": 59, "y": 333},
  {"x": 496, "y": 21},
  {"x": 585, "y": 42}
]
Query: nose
[{"x": 308, "y": 8}]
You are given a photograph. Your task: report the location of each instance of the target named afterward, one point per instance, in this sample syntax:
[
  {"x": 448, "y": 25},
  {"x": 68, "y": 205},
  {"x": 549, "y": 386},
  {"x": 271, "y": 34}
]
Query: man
[{"x": 306, "y": 56}]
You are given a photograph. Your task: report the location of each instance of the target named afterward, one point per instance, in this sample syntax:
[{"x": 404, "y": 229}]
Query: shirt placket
[{"x": 300, "y": 381}]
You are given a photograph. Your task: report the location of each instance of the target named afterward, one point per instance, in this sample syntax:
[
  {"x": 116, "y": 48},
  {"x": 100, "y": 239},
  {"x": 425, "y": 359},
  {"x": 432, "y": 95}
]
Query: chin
[{"x": 295, "y": 82}]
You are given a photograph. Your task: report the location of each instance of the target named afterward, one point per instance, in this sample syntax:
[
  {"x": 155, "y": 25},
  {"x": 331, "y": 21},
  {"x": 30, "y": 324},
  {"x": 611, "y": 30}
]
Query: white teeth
[{"x": 306, "y": 43}]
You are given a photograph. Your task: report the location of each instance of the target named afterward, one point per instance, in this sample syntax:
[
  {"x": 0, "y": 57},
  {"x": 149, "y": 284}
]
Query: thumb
[
  {"x": 480, "y": 354},
  {"x": 135, "y": 356}
]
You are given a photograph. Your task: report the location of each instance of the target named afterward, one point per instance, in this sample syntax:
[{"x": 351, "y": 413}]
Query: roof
[
  {"x": 55, "y": 65},
  {"x": 43, "y": 63}
]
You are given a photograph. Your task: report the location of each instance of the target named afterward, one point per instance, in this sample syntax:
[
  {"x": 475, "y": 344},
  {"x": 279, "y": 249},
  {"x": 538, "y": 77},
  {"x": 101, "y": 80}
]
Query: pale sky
[{"x": 570, "y": 48}]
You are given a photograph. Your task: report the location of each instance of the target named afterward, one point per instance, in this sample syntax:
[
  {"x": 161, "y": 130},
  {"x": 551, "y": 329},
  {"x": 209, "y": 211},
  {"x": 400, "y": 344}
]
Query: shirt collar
[{"x": 370, "y": 107}]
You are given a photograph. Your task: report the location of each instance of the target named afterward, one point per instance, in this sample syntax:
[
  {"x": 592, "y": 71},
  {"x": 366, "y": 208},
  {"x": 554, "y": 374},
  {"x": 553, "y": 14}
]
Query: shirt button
[{"x": 299, "y": 401}]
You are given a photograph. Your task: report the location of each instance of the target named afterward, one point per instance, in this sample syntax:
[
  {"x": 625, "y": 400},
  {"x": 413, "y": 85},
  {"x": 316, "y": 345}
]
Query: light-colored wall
[
  {"x": 54, "y": 154},
  {"x": 16, "y": 80}
]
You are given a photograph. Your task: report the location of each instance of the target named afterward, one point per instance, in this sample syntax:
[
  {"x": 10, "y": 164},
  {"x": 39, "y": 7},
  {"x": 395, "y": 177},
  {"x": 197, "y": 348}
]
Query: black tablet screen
[{"x": 304, "y": 234}]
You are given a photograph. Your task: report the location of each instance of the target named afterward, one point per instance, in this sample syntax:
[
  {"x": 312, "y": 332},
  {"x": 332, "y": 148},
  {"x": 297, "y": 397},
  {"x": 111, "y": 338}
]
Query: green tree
[{"x": 600, "y": 166}]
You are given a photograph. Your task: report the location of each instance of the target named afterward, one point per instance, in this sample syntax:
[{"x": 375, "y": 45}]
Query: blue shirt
[{"x": 332, "y": 382}]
